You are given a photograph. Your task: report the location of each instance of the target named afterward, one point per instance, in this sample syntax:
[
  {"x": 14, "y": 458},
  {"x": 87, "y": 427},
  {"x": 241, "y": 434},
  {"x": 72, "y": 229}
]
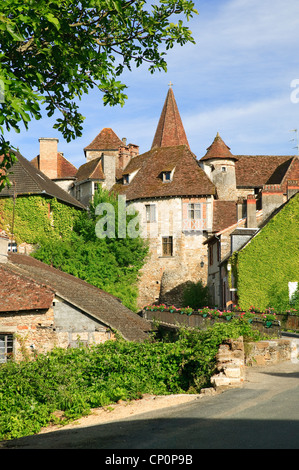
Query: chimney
[
  {"x": 240, "y": 210},
  {"x": 48, "y": 156},
  {"x": 272, "y": 198},
  {"x": 251, "y": 211}
]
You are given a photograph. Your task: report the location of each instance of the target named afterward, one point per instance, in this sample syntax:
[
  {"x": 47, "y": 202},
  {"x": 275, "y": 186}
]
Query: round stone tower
[{"x": 219, "y": 165}]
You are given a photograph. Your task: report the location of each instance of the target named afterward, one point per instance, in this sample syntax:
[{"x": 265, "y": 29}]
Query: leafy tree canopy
[
  {"x": 54, "y": 51},
  {"x": 111, "y": 264}
]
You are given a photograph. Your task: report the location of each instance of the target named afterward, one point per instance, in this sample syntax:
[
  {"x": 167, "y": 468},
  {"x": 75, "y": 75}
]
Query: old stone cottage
[{"x": 42, "y": 307}]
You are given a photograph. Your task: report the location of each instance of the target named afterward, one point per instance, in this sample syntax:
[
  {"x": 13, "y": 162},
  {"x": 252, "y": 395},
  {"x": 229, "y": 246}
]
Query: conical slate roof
[
  {"x": 218, "y": 149},
  {"x": 170, "y": 131}
]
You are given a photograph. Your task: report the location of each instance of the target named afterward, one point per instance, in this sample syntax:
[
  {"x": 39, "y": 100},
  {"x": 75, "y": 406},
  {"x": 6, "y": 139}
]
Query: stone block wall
[{"x": 230, "y": 368}]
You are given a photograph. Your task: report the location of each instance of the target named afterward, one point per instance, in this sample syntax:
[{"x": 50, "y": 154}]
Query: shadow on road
[{"x": 174, "y": 433}]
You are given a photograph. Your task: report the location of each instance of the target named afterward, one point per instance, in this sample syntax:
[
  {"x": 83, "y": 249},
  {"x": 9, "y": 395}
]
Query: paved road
[{"x": 263, "y": 414}]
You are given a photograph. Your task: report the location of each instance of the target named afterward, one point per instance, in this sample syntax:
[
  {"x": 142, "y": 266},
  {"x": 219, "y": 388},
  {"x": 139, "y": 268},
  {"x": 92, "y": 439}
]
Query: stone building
[
  {"x": 174, "y": 199},
  {"x": 42, "y": 308},
  {"x": 189, "y": 208}
]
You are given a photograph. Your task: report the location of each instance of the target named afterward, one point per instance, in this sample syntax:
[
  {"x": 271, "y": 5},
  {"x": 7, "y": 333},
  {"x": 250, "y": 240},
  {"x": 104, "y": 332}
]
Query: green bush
[
  {"x": 75, "y": 380},
  {"x": 196, "y": 295}
]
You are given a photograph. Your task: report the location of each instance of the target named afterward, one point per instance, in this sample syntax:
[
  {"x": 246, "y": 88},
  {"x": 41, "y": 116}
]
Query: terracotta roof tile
[
  {"x": 257, "y": 170},
  {"x": 95, "y": 302},
  {"x": 65, "y": 169},
  {"x": 106, "y": 139},
  {"x": 91, "y": 170},
  {"x": 188, "y": 179},
  {"x": 218, "y": 149},
  {"x": 170, "y": 131},
  {"x": 224, "y": 214},
  {"x": 18, "y": 292}
]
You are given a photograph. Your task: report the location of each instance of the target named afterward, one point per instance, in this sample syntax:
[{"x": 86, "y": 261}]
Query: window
[
  {"x": 194, "y": 211},
  {"x": 125, "y": 179},
  {"x": 6, "y": 347},
  {"x": 12, "y": 247},
  {"x": 78, "y": 193},
  {"x": 166, "y": 176},
  {"x": 223, "y": 169},
  {"x": 167, "y": 246},
  {"x": 150, "y": 212},
  {"x": 96, "y": 186}
]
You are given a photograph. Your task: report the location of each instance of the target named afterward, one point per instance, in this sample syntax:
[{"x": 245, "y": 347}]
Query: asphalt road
[{"x": 262, "y": 414}]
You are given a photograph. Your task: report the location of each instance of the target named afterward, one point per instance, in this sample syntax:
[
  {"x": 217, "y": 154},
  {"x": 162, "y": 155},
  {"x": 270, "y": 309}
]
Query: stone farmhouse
[{"x": 188, "y": 206}]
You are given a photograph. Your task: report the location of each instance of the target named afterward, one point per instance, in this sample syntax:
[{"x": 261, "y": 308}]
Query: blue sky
[{"x": 236, "y": 81}]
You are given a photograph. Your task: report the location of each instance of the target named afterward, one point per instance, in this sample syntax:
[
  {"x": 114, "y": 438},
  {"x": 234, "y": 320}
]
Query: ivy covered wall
[
  {"x": 270, "y": 261},
  {"x": 37, "y": 217}
]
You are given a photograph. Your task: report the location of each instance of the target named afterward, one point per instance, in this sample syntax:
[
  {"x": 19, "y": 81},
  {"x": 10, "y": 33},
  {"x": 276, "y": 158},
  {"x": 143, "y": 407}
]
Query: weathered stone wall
[
  {"x": 230, "y": 368},
  {"x": 61, "y": 326},
  {"x": 265, "y": 353},
  {"x": 163, "y": 278}
]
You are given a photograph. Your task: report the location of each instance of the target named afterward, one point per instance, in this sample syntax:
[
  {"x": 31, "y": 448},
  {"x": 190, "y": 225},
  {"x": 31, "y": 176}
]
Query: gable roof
[
  {"x": 93, "y": 301},
  {"x": 188, "y": 178},
  {"x": 105, "y": 140},
  {"x": 65, "y": 169},
  {"x": 257, "y": 170},
  {"x": 218, "y": 150},
  {"x": 30, "y": 180},
  {"x": 19, "y": 293},
  {"x": 91, "y": 170},
  {"x": 170, "y": 130}
]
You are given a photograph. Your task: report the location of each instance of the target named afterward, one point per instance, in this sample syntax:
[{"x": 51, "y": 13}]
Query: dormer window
[
  {"x": 166, "y": 176},
  {"x": 125, "y": 179}
]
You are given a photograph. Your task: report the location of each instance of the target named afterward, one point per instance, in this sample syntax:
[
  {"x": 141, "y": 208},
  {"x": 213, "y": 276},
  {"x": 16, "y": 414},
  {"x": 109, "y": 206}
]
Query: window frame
[
  {"x": 192, "y": 210},
  {"x": 167, "y": 242},
  {"x": 150, "y": 213},
  {"x": 8, "y": 347}
]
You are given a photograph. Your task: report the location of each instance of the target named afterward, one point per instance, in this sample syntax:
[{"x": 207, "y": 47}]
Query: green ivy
[
  {"x": 37, "y": 218},
  {"x": 269, "y": 262}
]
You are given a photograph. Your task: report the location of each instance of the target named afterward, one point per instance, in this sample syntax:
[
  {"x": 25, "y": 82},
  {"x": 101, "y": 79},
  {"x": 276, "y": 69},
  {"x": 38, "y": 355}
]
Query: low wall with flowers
[{"x": 267, "y": 322}]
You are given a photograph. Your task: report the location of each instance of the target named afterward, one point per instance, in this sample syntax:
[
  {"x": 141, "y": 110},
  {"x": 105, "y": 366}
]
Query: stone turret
[{"x": 219, "y": 165}]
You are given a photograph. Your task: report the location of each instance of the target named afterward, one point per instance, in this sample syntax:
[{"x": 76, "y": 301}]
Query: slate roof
[
  {"x": 20, "y": 293},
  {"x": 91, "y": 170},
  {"x": 95, "y": 302},
  {"x": 65, "y": 169},
  {"x": 30, "y": 180},
  {"x": 188, "y": 178},
  {"x": 170, "y": 130},
  {"x": 105, "y": 140}
]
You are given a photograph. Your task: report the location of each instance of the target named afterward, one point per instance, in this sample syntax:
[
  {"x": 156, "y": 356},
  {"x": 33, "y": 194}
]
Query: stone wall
[
  {"x": 230, "y": 367},
  {"x": 39, "y": 331},
  {"x": 234, "y": 356},
  {"x": 163, "y": 278},
  {"x": 265, "y": 353}
]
